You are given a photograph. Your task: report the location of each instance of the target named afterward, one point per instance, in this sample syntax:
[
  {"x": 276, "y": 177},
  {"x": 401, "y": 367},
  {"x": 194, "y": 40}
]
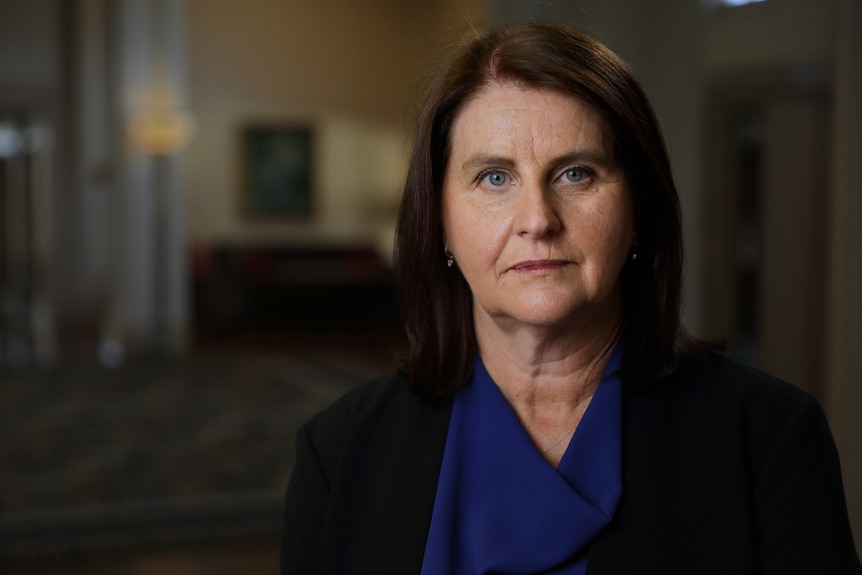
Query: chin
[
  {"x": 547, "y": 316},
  {"x": 563, "y": 310}
]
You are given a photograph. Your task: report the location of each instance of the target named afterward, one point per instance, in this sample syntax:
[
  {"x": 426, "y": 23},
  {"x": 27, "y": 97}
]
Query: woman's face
[{"x": 536, "y": 210}]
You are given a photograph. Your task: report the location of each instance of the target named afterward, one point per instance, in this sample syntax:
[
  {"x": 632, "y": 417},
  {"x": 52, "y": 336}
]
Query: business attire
[
  {"x": 500, "y": 508},
  {"x": 724, "y": 471}
]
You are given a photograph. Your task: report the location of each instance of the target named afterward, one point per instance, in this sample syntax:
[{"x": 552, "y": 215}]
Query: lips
[{"x": 538, "y": 265}]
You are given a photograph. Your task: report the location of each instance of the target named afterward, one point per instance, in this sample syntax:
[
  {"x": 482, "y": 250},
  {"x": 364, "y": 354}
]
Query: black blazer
[{"x": 726, "y": 471}]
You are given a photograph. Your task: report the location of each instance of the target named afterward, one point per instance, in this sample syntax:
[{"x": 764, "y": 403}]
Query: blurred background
[{"x": 197, "y": 203}]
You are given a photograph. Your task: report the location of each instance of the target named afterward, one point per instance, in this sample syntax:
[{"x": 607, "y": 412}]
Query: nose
[{"x": 536, "y": 213}]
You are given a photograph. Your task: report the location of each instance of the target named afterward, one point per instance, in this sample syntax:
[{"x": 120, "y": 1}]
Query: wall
[
  {"x": 347, "y": 68},
  {"x": 793, "y": 269},
  {"x": 86, "y": 68},
  {"x": 784, "y": 32},
  {"x": 770, "y": 51},
  {"x": 29, "y": 61},
  {"x": 845, "y": 306},
  {"x": 773, "y": 60}
]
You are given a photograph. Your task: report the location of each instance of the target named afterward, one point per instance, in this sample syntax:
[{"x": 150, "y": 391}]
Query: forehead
[
  {"x": 510, "y": 105},
  {"x": 504, "y": 112}
]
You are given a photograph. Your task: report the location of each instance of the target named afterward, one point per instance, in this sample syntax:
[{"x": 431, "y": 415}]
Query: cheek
[
  {"x": 612, "y": 235},
  {"x": 476, "y": 249},
  {"x": 467, "y": 233}
]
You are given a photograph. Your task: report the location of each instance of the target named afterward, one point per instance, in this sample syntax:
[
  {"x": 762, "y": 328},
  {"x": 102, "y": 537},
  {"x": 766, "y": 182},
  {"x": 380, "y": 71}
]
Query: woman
[{"x": 553, "y": 416}]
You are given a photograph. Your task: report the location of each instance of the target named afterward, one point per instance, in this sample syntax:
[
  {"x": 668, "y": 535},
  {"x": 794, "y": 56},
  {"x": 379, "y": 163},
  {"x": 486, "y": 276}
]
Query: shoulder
[
  {"x": 378, "y": 412},
  {"x": 720, "y": 405},
  {"x": 729, "y": 457},
  {"x": 365, "y": 470},
  {"x": 776, "y": 438},
  {"x": 726, "y": 386},
  {"x": 367, "y": 397},
  {"x": 384, "y": 397}
]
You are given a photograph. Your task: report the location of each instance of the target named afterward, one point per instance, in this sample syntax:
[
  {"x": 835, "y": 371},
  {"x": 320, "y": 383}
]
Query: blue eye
[
  {"x": 495, "y": 178},
  {"x": 575, "y": 175}
]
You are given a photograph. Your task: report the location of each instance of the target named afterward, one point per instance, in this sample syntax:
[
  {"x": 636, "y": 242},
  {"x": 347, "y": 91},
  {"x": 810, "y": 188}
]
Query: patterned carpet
[{"x": 199, "y": 449}]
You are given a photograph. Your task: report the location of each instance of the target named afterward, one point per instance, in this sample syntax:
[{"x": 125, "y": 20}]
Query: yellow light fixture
[{"x": 163, "y": 132}]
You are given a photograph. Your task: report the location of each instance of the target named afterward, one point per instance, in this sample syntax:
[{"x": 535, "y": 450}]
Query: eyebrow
[{"x": 479, "y": 161}]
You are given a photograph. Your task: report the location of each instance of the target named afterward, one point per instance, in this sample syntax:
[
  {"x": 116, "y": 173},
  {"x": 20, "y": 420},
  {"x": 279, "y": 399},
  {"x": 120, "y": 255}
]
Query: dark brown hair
[{"x": 436, "y": 301}]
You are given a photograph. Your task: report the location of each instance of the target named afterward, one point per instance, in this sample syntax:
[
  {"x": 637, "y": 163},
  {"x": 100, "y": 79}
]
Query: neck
[
  {"x": 548, "y": 376},
  {"x": 529, "y": 368},
  {"x": 537, "y": 360}
]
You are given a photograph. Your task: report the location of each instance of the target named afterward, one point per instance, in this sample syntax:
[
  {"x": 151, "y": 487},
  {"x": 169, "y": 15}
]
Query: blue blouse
[{"x": 501, "y": 508}]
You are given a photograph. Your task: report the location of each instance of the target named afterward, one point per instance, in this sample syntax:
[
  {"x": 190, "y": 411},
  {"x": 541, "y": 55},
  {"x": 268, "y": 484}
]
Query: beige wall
[{"x": 347, "y": 68}]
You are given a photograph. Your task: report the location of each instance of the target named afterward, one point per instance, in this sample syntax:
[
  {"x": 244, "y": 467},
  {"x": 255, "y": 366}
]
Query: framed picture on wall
[{"x": 277, "y": 165}]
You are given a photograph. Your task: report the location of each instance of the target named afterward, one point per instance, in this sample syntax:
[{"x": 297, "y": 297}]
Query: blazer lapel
[
  {"x": 406, "y": 502},
  {"x": 618, "y": 548}
]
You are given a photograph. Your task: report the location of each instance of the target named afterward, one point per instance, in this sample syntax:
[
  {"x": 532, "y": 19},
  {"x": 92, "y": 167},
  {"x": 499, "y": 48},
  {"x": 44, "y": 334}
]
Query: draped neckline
[{"x": 501, "y": 507}]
